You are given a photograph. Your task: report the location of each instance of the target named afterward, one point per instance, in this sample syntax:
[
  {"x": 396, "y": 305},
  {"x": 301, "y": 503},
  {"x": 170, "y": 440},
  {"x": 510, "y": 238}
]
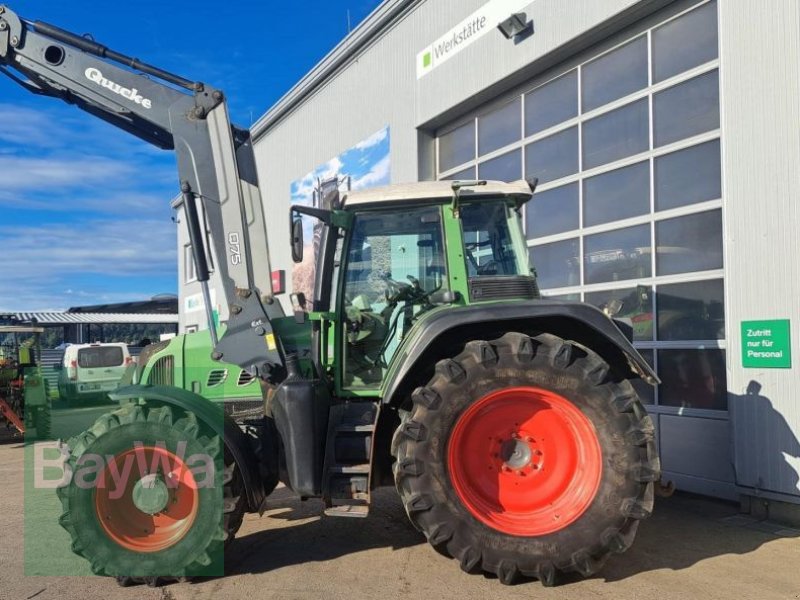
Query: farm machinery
[
  {"x": 24, "y": 402},
  {"x": 426, "y": 359}
]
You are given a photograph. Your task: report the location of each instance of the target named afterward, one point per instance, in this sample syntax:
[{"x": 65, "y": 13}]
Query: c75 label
[{"x": 235, "y": 248}]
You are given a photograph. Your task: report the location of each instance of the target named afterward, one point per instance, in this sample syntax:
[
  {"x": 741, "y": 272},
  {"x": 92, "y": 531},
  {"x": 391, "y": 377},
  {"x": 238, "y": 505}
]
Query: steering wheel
[{"x": 490, "y": 268}]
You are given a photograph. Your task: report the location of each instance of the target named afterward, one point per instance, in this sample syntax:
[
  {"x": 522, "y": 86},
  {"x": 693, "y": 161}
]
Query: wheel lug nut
[{"x": 529, "y": 439}]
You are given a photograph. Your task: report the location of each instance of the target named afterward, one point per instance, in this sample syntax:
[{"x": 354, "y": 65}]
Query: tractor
[
  {"x": 425, "y": 359},
  {"x": 24, "y": 400}
]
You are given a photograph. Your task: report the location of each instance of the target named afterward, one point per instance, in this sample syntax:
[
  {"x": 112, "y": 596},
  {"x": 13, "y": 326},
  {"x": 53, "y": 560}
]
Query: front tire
[
  {"x": 523, "y": 456},
  {"x": 137, "y": 507}
]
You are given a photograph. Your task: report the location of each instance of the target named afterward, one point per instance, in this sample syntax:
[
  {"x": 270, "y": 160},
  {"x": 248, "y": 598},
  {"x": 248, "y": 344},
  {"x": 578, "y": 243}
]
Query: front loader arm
[{"x": 216, "y": 165}]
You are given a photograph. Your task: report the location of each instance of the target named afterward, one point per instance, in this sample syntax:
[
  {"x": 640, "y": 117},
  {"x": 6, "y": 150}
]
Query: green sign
[{"x": 766, "y": 344}]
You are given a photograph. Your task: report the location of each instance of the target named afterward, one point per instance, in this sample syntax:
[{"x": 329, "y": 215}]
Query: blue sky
[{"x": 85, "y": 207}]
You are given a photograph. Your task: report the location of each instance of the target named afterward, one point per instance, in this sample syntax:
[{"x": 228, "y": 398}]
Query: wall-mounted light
[{"x": 515, "y": 25}]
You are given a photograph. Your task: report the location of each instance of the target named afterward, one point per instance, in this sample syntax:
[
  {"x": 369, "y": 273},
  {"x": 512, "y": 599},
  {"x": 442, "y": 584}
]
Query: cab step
[{"x": 348, "y": 458}]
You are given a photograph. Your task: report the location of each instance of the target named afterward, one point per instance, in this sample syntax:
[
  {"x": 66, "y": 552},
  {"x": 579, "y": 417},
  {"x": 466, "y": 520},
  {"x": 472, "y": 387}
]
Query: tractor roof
[{"x": 434, "y": 191}]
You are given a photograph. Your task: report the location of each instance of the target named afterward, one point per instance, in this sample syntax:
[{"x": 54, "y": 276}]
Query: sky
[{"x": 84, "y": 207}]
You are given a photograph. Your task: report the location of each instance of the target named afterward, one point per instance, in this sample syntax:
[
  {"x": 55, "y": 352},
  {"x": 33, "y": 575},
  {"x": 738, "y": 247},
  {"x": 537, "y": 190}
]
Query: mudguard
[
  {"x": 212, "y": 414},
  {"x": 542, "y": 315}
]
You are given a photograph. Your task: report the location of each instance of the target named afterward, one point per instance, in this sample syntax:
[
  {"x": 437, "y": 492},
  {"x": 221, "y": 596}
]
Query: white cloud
[
  {"x": 373, "y": 140},
  {"x": 378, "y": 175},
  {"x": 33, "y": 254},
  {"x": 28, "y": 173}
]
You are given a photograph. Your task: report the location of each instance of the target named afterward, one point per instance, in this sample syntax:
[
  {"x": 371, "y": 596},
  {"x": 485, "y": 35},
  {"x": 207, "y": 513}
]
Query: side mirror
[{"x": 297, "y": 240}]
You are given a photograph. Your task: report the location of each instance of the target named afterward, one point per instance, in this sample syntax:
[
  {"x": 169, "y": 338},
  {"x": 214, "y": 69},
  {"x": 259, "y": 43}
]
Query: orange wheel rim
[
  {"x": 525, "y": 461},
  {"x": 151, "y": 509}
]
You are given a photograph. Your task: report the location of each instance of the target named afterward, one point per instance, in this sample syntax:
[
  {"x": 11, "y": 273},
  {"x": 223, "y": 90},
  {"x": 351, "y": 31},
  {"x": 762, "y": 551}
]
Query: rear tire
[{"x": 537, "y": 412}]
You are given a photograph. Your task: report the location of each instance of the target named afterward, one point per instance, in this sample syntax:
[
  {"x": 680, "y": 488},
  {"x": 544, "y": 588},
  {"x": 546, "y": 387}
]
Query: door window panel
[
  {"x": 499, "y": 128},
  {"x": 553, "y": 211},
  {"x": 551, "y": 104},
  {"x": 457, "y": 147},
  {"x": 688, "y": 176},
  {"x": 634, "y": 303},
  {"x": 557, "y": 264},
  {"x": 506, "y": 167},
  {"x": 617, "y": 134},
  {"x": 394, "y": 257},
  {"x": 692, "y": 378},
  {"x": 686, "y": 42},
  {"x": 466, "y": 174},
  {"x": 614, "y": 75},
  {"x": 616, "y": 195},
  {"x": 690, "y": 243},
  {"x": 553, "y": 157},
  {"x": 617, "y": 255},
  {"x": 687, "y": 109},
  {"x": 691, "y": 311}
]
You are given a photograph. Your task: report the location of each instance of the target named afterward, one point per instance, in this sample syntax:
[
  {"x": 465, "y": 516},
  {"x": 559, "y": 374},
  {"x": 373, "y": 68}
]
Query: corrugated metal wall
[
  {"x": 381, "y": 88},
  {"x": 760, "y": 54}
]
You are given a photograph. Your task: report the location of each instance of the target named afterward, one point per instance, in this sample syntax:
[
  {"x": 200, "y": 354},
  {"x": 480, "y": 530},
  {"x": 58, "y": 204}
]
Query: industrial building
[{"x": 664, "y": 136}]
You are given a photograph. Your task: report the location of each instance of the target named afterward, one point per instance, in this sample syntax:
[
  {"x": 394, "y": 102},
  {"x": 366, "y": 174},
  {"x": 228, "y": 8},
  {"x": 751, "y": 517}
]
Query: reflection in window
[
  {"x": 686, "y": 42},
  {"x": 691, "y": 311},
  {"x": 499, "y": 128},
  {"x": 552, "y": 103},
  {"x": 557, "y": 263},
  {"x": 614, "y": 75},
  {"x": 457, "y": 147},
  {"x": 506, "y": 167},
  {"x": 687, "y": 109},
  {"x": 634, "y": 303},
  {"x": 466, "y": 174},
  {"x": 688, "y": 176},
  {"x": 553, "y": 211},
  {"x": 616, "y": 134},
  {"x": 645, "y": 391},
  {"x": 692, "y": 379},
  {"x": 691, "y": 243},
  {"x": 617, "y": 195},
  {"x": 553, "y": 157},
  {"x": 617, "y": 255}
]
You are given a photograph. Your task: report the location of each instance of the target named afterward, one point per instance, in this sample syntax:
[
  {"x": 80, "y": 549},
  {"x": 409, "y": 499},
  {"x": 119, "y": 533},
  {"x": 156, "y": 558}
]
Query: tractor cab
[{"x": 405, "y": 251}]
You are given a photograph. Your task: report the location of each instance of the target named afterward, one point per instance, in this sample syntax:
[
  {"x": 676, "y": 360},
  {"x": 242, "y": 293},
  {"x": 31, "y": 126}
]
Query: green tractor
[
  {"x": 507, "y": 422},
  {"x": 24, "y": 399},
  {"x": 425, "y": 358}
]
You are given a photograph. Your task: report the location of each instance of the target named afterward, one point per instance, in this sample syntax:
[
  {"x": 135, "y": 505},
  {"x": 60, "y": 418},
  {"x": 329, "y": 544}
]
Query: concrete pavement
[{"x": 690, "y": 548}]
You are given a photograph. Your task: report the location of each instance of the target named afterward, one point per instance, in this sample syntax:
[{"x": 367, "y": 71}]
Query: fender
[
  {"x": 541, "y": 315},
  {"x": 210, "y": 413}
]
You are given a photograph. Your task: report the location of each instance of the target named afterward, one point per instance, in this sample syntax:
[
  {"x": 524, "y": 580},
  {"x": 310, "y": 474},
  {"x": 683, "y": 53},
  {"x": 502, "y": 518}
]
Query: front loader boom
[{"x": 215, "y": 159}]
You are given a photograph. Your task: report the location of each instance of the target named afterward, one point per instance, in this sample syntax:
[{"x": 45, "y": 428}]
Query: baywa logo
[
  {"x": 96, "y": 76},
  {"x": 152, "y": 467}
]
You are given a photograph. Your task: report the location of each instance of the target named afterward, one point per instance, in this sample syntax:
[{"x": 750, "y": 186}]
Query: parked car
[{"x": 90, "y": 371}]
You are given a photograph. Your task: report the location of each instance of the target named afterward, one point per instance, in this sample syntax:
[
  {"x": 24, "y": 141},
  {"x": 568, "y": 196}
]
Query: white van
[{"x": 92, "y": 370}]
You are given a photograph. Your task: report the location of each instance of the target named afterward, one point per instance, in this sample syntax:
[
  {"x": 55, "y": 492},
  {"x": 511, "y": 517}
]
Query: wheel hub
[
  {"x": 150, "y": 494},
  {"x": 516, "y": 454}
]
